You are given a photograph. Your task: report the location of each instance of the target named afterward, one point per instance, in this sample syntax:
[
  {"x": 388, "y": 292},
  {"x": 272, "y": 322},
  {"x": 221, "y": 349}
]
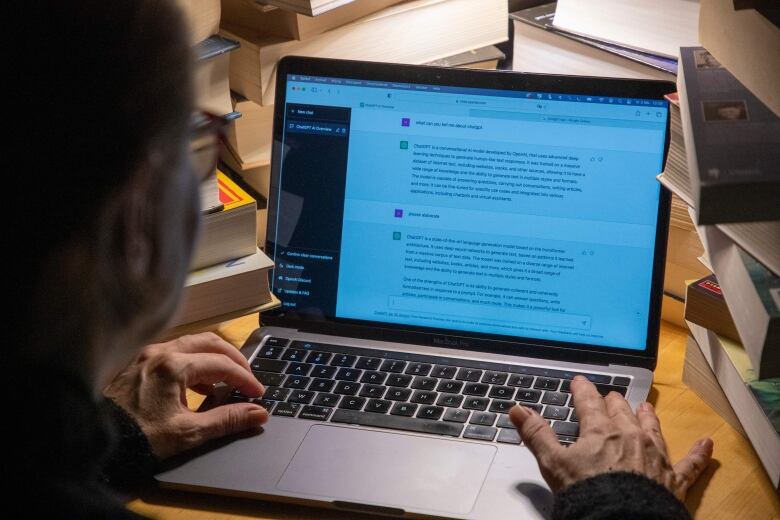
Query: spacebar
[{"x": 395, "y": 422}]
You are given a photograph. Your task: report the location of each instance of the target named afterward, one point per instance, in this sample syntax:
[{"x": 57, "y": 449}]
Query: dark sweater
[{"x": 73, "y": 451}]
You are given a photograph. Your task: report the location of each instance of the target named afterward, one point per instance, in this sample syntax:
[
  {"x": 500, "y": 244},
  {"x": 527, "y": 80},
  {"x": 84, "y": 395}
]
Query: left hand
[{"x": 153, "y": 391}]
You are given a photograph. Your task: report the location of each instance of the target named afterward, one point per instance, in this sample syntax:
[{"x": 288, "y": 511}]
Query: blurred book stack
[
  {"x": 724, "y": 164},
  {"x": 458, "y": 33}
]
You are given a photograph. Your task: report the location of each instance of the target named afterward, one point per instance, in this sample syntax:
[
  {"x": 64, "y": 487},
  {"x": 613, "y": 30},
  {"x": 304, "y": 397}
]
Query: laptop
[{"x": 447, "y": 243}]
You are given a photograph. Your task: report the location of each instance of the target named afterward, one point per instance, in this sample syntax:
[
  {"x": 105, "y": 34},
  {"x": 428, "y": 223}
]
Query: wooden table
[{"x": 735, "y": 485}]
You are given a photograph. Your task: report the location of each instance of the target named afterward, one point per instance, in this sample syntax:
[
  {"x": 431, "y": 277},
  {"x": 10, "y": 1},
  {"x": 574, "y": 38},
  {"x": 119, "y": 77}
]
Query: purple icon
[
  {"x": 405, "y": 121},
  {"x": 399, "y": 213}
]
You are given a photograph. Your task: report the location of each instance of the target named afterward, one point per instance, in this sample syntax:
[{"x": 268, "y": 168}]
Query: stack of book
[
  {"x": 724, "y": 165},
  {"x": 440, "y": 32}
]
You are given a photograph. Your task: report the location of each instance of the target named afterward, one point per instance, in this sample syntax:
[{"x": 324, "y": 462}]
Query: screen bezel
[{"x": 547, "y": 83}]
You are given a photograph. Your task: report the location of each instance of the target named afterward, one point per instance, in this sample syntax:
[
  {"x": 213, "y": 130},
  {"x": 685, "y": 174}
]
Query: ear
[{"x": 137, "y": 219}]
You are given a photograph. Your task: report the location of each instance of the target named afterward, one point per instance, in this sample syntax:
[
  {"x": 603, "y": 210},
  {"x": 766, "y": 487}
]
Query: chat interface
[{"x": 522, "y": 214}]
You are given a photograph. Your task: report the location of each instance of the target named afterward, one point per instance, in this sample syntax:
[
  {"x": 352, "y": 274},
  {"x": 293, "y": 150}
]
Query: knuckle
[{"x": 166, "y": 364}]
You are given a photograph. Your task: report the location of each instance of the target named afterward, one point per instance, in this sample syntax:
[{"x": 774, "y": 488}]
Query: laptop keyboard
[{"x": 413, "y": 392}]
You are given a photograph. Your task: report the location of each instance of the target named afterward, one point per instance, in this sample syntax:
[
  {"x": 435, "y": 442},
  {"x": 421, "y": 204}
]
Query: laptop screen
[{"x": 507, "y": 213}]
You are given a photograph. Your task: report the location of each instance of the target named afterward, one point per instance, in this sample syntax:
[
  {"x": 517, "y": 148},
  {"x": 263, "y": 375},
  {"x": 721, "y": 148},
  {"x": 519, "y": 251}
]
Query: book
[
  {"x": 249, "y": 137},
  {"x": 539, "y": 50},
  {"x": 761, "y": 240},
  {"x": 413, "y": 32},
  {"x": 255, "y": 181},
  {"x": 683, "y": 250},
  {"x": 732, "y": 143},
  {"x": 209, "y": 194},
  {"x": 658, "y": 27},
  {"x": 706, "y": 306},
  {"x": 747, "y": 43},
  {"x": 752, "y": 294},
  {"x": 202, "y": 17},
  {"x": 212, "y": 74},
  {"x": 223, "y": 289},
  {"x": 698, "y": 376},
  {"x": 756, "y": 402},
  {"x": 229, "y": 233},
  {"x": 287, "y": 24},
  {"x": 485, "y": 58},
  {"x": 309, "y": 7}
]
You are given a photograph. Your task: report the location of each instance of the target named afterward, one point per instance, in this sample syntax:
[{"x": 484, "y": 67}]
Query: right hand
[{"x": 612, "y": 438}]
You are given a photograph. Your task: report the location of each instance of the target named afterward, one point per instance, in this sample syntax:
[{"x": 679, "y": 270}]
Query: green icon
[
  {"x": 396, "y": 235},
  {"x": 404, "y": 145}
]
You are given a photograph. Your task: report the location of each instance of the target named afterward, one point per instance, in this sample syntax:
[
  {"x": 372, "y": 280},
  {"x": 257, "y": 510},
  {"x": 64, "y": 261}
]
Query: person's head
[{"x": 105, "y": 204}]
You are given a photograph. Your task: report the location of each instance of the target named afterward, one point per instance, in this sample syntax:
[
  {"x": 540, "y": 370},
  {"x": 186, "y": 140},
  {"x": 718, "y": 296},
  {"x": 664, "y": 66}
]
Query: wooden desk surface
[{"x": 734, "y": 486}]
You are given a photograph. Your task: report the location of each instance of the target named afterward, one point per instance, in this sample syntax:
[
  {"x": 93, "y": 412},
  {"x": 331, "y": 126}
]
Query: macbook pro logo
[{"x": 444, "y": 341}]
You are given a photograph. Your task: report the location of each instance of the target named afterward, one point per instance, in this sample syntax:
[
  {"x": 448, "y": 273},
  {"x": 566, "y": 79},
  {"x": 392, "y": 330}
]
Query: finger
[
  {"x": 619, "y": 409},
  {"x": 227, "y": 420},
  {"x": 689, "y": 468},
  {"x": 535, "y": 432},
  {"x": 590, "y": 406},
  {"x": 208, "y": 342},
  {"x": 649, "y": 422},
  {"x": 208, "y": 369}
]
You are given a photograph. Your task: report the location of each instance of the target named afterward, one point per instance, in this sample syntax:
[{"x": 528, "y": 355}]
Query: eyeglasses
[{"x": 206, "y": 132}]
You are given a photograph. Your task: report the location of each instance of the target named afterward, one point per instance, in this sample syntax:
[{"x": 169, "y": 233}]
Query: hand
[
  {"x": 153, "y": 391},
  {"x": 612, "y": 438}
]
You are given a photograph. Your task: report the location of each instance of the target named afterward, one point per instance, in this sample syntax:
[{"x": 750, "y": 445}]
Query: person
[{"x": 103, "y": 138}]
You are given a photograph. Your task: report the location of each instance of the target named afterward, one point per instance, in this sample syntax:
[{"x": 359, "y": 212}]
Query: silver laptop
[{"x": 447, "y": 243}]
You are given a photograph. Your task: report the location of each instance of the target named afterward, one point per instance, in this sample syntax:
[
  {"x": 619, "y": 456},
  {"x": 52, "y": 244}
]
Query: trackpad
[{"x": 388, "y": 469}]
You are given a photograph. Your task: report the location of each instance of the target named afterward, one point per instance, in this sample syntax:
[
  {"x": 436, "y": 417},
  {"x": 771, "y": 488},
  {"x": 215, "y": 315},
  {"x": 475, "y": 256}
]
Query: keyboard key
[
  {"x": 418, "y": 369},
  {"x": 605, "y": 389},
  {"x": 483, "y": 433},
  {"x": 378, "y": 406},
  {"x": 547, "y": 383},
  {"x": 520, "y": 380},
  {"x": 315, "y": 413},
  {"x": 368, "y": 363},
  {"x": 508, "y": 435},
  {"x": 265, "y": 403},
  {"x": 396, "y": 422},
  {"x": 297, "y": 382},
  {"x": 456, "y": 415},
  {"x": 269, "y": 378},
  {"x": 287, "y": 409},
  {"x": 528, "y": 396},
  {"x": 479, "y": 389},
  {"x": 322, "y": 385},
  {"x": 276, "y": 342},
  {"x": 483, "y": 418},
  {"x": 343, "y": 360},
  {"x": 373, "y": 377},
  {"x": 348, "y": 374},
  {"x": 299, "y": 369},
  {"x": 398, "y": 394},
  {"x": 270, "y": 352},
  {"x": 237, "y": 396},
  {"x": 405, "y": 409},
  {"x": 373, "y": 391},
  {"x": 556, "y": 398},
  {"x": 566, "y": 441},
  {"x": 424, "y": 397},
  {"x": 319, "y": 358},
  {"x": 269, "y": 365},
  {"x": 424, "y": 383},
  {"x": 326, "y": 399},
  {"x": 346, "y": 388},
  {"x": 401, "y": 380},
  {"x": 566, "y": 386},
  {"x": 294, "y": 354},
  {"x": 476, "y": 403},
  {"x": 494, "y": 378},
  {"x": 469, "y": 374},
  {"x": 430, "y": 412},
  {"x": 502, "y": 392},
  {"x": 352, "y": 403},
  {"x": 393, "y": 365},
  {"x": 621, "y": 381},
  {"x": 501, "y": 406},
  {"x": 566, "y": 428},
  {"x": 274, "y": 393},
  {"x": 559, "y": 413},
  {"x": 323, "y": 371},
  {"x": 535, "y": 407},
  {"x": 450, "y": 400},
  {"x": 573, "y": 417},
  {"x": 444, "y": 371},
  {"x": 504, "y": 421},
  {"x": 450, "y": 387},
  {"x": 300, "y": 396}
]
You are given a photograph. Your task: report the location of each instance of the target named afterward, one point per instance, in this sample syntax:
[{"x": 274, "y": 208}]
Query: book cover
[
  {"x": 230, "y": 193},
  {"x": 732, "y": 143},
  {"x": 706, "y": 306}
]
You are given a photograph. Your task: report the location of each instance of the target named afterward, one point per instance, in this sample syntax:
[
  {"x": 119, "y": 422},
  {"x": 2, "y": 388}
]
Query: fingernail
[
  {"x": 522, "y": 410},
  {"x": 579, "y": 378},
  {"x": 258, "y": 416},
  {"x": 646, "y": 407}
]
